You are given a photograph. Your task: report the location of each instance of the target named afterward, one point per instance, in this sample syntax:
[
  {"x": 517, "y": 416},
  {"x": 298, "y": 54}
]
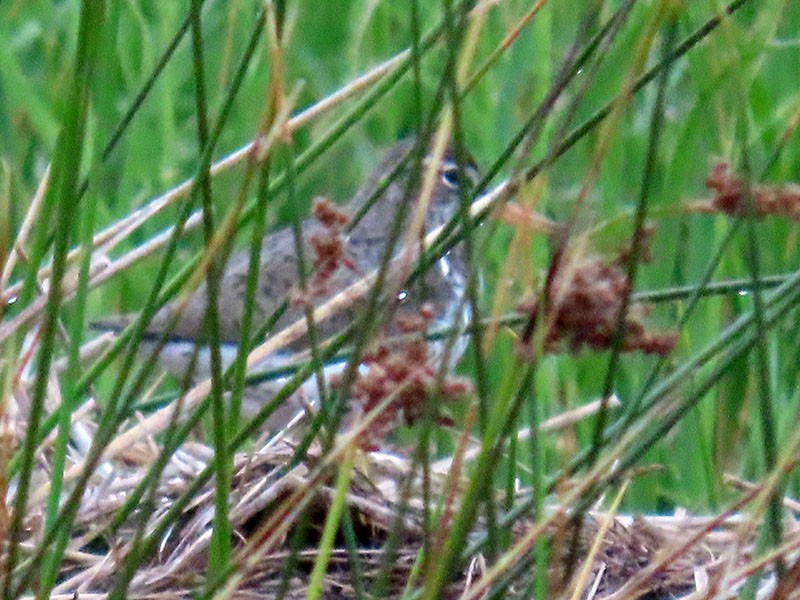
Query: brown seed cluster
[
  {"x": 328, "y": 214},
  {"x": 582, "y": 304},
  {"x": 328, "y": 247},
  {"x": 407, "y": 372},
  {"x": 730, "y": 195}
]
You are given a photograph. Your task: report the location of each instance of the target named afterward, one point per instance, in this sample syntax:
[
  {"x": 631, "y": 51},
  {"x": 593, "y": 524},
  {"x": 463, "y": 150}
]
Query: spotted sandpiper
[{"x": 342, "y": 251}]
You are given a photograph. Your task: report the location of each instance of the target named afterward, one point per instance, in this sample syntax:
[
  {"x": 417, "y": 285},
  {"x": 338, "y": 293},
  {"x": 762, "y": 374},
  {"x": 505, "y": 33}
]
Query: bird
[{"x": 342, "y": 250}]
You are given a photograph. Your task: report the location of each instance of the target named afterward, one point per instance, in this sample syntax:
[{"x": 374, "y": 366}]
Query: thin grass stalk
[
  {"x": 144, "y": 497},
  {"x": 501, "y": 427},
  {"x": 381, "y": 584},
  {"x": 773, "y": 526},
  {"x": 290, "y": 175},
  {"x": 423, "y": 445},
  {"x": 610, "y": 31},
  {"x": 440, "y": 137},
  {"x": 227, "y": 46},
  {"x": 496, "y": 54},
  {"x": 62, "y": 193},
  {"x": 137, "y": 102},
  {"x": 535, "y": 459},
  {"x": 313, "y": 336},
  {"x": 274, "y": 103},
  {"x": 40, "y": 211},
  {"x": 291, "y": 563},
  {"x": 716, "y": 288},
  {"x": 450, "y": 493},
  {"x": 22, "y": 235},
  {"x": 421, "y": 456},
  {"x": 352, "y": 546},
  {"x": 8, "y": 357},
  {"x": 581, "y": 581},
  {"x": 783, "y": 140},
  {"x": 460, "y": 36},
  {"x": 5, "y": 221},
  {"x": 456, "y": 79},
  {"x": 696, "y": 294},
  {"x": 390, "y": 548},
  {"x": 668, "y": 19},
  {"x": 668, "y": 14},
  {"x": 60, "y": 447},
  {"x": 219, "y": 550},
  {"x": 58, "y": 188},
  {"x": 527, "y": 391},
  {"x": 477, "y": 489},
  {"x": 276, "y": 112},
  {"x": 456, "y": 84},
  {"x": 332, "y": 523}
]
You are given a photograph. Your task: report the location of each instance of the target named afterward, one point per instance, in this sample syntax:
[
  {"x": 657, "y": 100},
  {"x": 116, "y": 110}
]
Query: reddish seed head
[
  {"x": 327, "y": 247},
  {"x": 328, "y": 214},
  {"x": 583, "y": 308},
  {"x": 403, "y": 371},
  {"x": 731, "y": 195}
]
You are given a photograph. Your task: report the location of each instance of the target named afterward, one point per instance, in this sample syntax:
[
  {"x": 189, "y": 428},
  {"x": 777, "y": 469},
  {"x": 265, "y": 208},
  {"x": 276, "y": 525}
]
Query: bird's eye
[{"x": 450, "y": 177}]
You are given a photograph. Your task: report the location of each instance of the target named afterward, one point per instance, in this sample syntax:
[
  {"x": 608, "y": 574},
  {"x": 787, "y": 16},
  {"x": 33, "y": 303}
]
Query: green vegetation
[{"x": 608, "y": 118}]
